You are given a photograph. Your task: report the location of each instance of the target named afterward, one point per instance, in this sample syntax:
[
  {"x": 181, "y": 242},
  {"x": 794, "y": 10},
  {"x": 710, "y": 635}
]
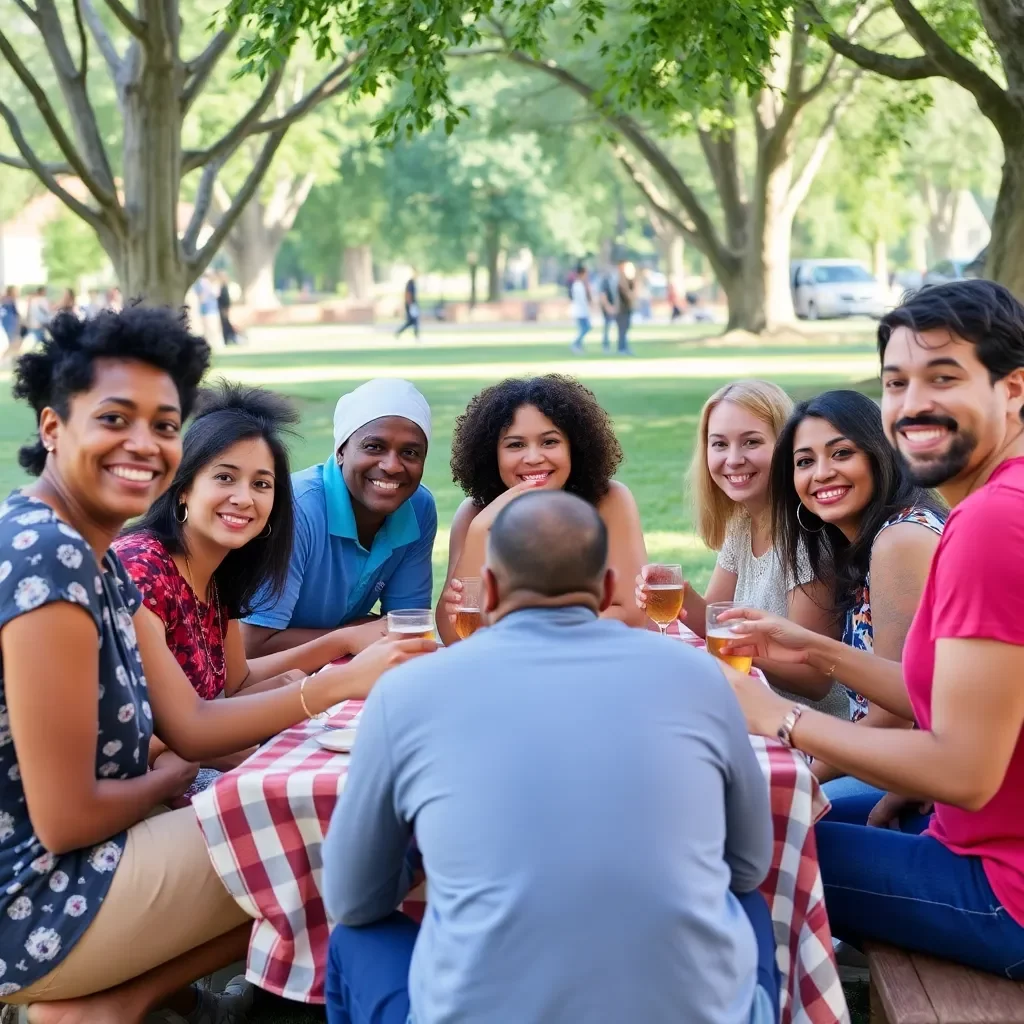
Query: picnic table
[{"x": 265, "y": 822}]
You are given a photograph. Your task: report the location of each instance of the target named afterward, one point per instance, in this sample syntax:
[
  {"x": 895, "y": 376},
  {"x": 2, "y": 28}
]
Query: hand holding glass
[
  {"x": 410, "y": 623},
  {"x": 664, "y": 585},
  {"x": 467, "y": 615},
  {"x": 719, "y": 636}
]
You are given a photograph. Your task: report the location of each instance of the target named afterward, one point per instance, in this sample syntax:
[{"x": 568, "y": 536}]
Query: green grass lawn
[{"x": 654, "y": 399}]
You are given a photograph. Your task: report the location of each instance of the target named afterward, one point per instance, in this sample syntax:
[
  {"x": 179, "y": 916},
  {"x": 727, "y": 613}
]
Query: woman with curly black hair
[
  {"x": 110, "y": 907},
  {"x": 540, "y": 432}
]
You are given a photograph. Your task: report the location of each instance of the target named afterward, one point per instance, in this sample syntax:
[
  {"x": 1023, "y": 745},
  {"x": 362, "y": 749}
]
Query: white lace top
[{"x": 761, "y": 581}]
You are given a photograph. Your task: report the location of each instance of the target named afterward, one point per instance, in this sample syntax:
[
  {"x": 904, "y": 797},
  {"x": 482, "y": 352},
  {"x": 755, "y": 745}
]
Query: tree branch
[
  {"x": 83, "y": 42},
  {"x": 653, "y": 196},
  {"x": 222, "y": 150},
  {"x": 200, "y": 260},
  {"x": 900, "y": 69},
  {"x": 27, "y": 10},
  {"x": 200, "y": 69},
  {"x": 134, "y": 25},
  {"x": 721, "y": 157},
  {"x": 805, "y": 177},
  {"x": 201, "y": 207},
  {"x": 706, "y": 237},
  {"x": 45, "y": 175},
  {"x": 24, "y": 165},
  {"x": 102, "y": 37},
  {"x": 103, "y": 194},
  {"x": 334, "y": 82},
  {"x": 992, "y": 99}
]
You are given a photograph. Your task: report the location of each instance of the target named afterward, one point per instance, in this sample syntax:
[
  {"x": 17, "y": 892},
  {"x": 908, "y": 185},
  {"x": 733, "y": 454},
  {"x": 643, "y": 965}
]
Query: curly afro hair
[
  {"x": 63, "y": 364},
  {"x": 593, "y": 446}
]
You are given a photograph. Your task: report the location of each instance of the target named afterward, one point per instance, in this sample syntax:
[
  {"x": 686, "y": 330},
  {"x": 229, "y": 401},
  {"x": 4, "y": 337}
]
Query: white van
[{"x": 827, "y": 288}]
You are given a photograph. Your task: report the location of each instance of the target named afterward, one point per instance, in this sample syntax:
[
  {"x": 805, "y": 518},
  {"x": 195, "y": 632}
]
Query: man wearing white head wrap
[{"x": 364, "y": 527}]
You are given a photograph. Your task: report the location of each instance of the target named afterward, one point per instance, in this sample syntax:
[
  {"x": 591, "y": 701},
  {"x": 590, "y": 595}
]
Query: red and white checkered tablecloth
[{"x": 265, "y": 822}]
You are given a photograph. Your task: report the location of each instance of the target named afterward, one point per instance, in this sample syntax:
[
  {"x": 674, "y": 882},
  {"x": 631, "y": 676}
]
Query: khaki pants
[{"x": 165, "y": 899}]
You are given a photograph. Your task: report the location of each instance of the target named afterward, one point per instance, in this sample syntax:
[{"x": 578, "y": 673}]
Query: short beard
[{"x": 947, "y": 467}]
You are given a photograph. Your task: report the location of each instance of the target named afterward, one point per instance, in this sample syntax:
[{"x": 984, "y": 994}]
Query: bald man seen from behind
[{"x": 591, "y": 816}]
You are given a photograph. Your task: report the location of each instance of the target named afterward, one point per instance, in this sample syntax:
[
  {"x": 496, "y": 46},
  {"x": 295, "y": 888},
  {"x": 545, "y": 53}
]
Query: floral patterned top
[
  {"x": 47, "y": 901},
  {"x": 857, "y": 629},
  {"x": 195, "y": 631}
]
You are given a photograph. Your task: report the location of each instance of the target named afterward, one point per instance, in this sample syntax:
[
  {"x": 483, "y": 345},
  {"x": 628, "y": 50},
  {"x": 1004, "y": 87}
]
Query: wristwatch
[{"x": 785, "y": 731}]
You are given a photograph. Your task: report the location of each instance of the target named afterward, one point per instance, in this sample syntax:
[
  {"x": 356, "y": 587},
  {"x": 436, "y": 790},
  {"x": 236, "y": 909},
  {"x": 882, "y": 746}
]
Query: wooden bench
[{"x": 909, "y": 988}]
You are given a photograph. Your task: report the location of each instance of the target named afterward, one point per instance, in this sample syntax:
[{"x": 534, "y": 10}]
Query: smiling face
[
  {"x": 382, "y": 463},
  {"x": 832, "y": 476},
  {"x": 940, "y": 408},
  {"x": 533, "y": 450},
  {"x": 231, "y": 498},
  {"x": 739, "y": 453},
  {"x": 120, "y": 445}
]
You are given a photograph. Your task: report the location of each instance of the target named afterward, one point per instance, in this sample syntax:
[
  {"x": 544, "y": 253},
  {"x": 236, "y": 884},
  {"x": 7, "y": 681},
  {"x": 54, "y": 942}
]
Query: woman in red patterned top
[{"x": 220, "y": 533}]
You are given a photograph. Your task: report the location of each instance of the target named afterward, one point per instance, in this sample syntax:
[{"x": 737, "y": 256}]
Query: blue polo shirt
[{"x": 332, "y": 578}]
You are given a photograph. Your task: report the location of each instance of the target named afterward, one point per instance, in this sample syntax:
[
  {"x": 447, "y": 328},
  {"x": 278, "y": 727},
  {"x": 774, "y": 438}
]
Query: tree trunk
[
  {"x": 359, "y": 272},
  {"x": 492, "y": 247},
  {"x": 1005, "y": 260},
  {"x": 145, "y": 250},
  {"x": 767, "y": 302},
  {"x": 880, "y": 260},
  {"x": 253, "y": 249},
  {"x": 918, "y": 248},
  {"x": 474, "y": 266},
  {"x": 672, "y": 249}
]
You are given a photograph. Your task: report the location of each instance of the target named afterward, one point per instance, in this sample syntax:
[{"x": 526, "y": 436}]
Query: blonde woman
[{"x": 729, "y": 479}]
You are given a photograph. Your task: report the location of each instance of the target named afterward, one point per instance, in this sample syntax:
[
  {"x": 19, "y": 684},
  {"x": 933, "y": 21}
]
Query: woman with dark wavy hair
[
  {"x": 539, "y": 432},
  {"x": 109, "y": 902},
  {"x": 840, "y": 493}
]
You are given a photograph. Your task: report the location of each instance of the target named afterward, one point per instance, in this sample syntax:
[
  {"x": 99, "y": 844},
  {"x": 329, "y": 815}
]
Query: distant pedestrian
[
  {"x": 10, "y": 321},
  {"x": 581, "y": 299},
  {"x": 606, "y": 298},
  {"x": 68, "y": 303},
  {"x": 673, "y": 300},
  {"x": 114, "y": 299},
  {"x": 626, "y": 298},
  {"x": 38, "y": 315},
  {"x": 412, "y": 308},
  {"x": 224, "y": 309}
]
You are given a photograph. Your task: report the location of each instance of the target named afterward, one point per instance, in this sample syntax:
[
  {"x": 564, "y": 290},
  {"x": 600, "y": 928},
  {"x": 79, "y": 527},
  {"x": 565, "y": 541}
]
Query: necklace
[{"x": 215, "y": 602}]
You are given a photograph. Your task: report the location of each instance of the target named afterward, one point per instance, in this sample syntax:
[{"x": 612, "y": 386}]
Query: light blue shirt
[
  {"x": 584, "y": 796},
  {"x": 332, "y": 578}
]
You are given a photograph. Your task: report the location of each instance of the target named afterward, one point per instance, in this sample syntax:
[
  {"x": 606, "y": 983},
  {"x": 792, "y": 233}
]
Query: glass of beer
[
  {"x": 719, "y": 635},
  {"x": 467, "y": 615},
  {"x": 412, "y": 623},
  {"x": 664, "y": 585}
]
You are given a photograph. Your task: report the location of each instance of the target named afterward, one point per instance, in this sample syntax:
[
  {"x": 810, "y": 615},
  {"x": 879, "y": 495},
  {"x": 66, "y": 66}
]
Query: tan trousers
[{"x": 165, "y": 899}]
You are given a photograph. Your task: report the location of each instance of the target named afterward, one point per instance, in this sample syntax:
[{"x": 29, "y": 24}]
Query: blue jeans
[
  {"x": 583, "y": 323},
  {"x": 908, "y": 890},
  {"x": 368, "y": 969},
  {"x": 852, "y": 801},
  {"x": 606, "y": 342}
]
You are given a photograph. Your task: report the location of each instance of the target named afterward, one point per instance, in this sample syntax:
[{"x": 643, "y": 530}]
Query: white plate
[{"x": 338, "y": 740}]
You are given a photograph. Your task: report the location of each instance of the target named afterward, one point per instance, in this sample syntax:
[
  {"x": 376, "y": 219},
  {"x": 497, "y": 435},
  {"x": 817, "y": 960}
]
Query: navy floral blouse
[{"x": 47, "y": 901}]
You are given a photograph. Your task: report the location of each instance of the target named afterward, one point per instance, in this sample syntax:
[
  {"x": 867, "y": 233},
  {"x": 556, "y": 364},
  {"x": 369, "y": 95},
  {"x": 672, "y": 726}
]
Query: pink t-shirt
[{"x": 975, "y": 590}]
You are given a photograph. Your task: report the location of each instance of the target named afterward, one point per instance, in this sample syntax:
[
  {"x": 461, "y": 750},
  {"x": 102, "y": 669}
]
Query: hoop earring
[
  {"x": 800, "y": 522},
  {"x": 184, "y": 518},
  {"x": 266, "y": 533}
]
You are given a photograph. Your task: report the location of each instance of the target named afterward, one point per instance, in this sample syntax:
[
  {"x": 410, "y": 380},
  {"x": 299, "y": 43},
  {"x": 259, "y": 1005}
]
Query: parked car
[
  {"x": 837, "y": 287},
  {"x": 955, "y": 270}
]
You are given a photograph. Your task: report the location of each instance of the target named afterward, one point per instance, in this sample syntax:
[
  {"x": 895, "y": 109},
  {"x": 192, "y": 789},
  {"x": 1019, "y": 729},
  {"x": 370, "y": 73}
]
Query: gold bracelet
[{"x": 305, "y": 707}]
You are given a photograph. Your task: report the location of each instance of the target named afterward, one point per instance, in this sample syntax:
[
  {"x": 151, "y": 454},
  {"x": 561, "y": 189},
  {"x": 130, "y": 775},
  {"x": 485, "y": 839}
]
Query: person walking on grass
[
  {"x": 412, "y": 308},
  {"x": 580, "y": 295}
]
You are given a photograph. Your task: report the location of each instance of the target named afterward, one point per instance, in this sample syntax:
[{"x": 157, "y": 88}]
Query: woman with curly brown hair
[{"x": 540, "y": 432}]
